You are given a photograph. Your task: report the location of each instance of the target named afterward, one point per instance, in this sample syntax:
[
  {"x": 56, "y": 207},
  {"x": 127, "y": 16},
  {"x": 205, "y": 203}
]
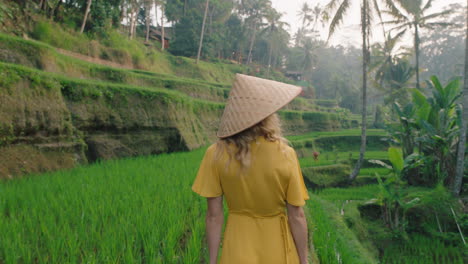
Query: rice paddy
[
  {"x": 142, "y": 210},
  {"x": 128, "y": 211}
]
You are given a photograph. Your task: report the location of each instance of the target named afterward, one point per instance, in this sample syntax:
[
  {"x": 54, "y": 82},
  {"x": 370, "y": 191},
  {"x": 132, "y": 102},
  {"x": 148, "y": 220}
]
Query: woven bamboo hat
[{"x": 251, "y": 100}]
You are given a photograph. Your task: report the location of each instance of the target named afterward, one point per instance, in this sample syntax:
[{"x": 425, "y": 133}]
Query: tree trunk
[
  {"x": 202, "y": 31},
  {"x": 147, "y": 19},
  {"x": 252, "y": 41},
  {"x": 133, "y": 20},
  {"x": 162, "y": 27},
  {"x": 365, "y": 59},
  {"x": 416, "y": 51},
  {"x": 270, "y": 53},
  {"x": 210, "y": 28},
  {"x": 56, "y": 11},
  {"x": 130, "y": 28},
  {"x": 88, "y": 8},
  {"x": 462, "y": 142},
  {"x": 122, "y": 12},
  {"x": 156, "y": 13}
]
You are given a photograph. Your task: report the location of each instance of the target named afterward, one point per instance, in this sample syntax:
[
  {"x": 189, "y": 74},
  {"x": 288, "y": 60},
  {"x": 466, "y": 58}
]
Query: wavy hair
[{"x": 238, "y": 145}]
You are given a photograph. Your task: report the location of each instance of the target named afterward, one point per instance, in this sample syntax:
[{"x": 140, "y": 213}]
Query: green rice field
[
  {"x": 137, "y": 210},
  {"x": 142, "y": 210}
]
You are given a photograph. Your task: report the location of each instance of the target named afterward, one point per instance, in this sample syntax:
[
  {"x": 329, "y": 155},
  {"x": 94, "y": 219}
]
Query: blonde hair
[{"x": 269, "y": 128}]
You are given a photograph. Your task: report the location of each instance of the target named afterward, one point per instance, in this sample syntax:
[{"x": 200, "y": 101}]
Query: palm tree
[
  {"x": 385, "y": 60},
  {"x": 162, "y": 3},
  {"x": 411, "y": 14},
  {"x": 255, "y": 12},
  {"x": 273, "y": 30},
  {"x": 305, "y": 14},
  {"x": 147, "y": 5},
  {"x": 462, "y": 142},
  {"x": 316, "y": 12},
  {"x": 202, "y": 31},
  {"x": 310, "y": 57},
  {"x": 398, "y": 74},
  {"x": 340, "y": 11}
]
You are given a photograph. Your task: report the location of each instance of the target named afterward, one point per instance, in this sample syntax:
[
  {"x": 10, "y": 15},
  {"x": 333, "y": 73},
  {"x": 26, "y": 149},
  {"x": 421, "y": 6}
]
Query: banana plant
[
  {"x": 391, "y": 196},
  {"x": 428, "y": 133}
]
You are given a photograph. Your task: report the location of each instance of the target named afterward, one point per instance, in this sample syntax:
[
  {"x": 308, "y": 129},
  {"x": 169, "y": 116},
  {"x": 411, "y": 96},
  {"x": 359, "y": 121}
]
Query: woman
[{"x": 259, "y": 175}]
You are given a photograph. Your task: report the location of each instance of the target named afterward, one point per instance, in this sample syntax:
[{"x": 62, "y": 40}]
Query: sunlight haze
[{"x": 348, "y": 33}]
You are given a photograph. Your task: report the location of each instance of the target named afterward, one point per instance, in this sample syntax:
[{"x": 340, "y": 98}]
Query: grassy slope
[
  {"x": 372, "y": 234},
  {"x": 117, "y": 48},
  {"x": 12, "y": 73},
  {"x": 42, "y": 56}
]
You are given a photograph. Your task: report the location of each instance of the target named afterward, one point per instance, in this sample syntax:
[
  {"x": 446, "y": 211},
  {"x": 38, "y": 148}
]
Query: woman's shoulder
[
  {"x": 281, "y": 145},
  {"x": 212, "y": 148}
]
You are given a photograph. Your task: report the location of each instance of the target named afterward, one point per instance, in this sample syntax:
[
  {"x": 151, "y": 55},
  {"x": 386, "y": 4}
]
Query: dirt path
[{"x": 94, "y": 60}]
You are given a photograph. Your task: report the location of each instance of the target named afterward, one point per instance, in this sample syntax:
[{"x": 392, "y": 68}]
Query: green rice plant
[
  {"x": 345, "y": 132},
  {"x": 137, "y": 210},
  {"x": 423, "y": 250},
  {"x": 333, "y": 241}
]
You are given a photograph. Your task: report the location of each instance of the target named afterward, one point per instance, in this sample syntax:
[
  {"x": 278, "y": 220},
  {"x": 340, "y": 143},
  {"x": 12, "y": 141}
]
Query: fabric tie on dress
[{"x": 283, "y": 225}]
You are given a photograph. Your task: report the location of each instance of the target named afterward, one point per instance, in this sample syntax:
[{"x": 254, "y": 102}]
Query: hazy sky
[{"x": 349, "y": 32}]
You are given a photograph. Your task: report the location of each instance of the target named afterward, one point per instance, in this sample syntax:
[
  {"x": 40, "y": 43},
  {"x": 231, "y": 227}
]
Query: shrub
[{"x": 327, "y": 176}]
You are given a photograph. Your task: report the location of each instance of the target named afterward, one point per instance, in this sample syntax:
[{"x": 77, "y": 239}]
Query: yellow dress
[{"x": 257, "y": 230}]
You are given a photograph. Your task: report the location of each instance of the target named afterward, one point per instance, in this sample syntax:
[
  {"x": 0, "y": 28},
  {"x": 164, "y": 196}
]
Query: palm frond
[
  {"x": 338, "y": 17},
  {"x": 379, "y": 13},
  {"x": 427, "y": 6},
  {"x": 435, "y": 15},
  {"x": 331, "y": 5},
  {"x": 401, "y": 27},
  {"x": 394, "y": 11},
  {"x": 395, "y": 22},
  {"x": 435, "y": 25}
]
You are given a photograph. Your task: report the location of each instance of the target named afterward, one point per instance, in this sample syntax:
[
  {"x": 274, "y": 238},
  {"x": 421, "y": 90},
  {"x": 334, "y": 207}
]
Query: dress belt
[{"x": 283, "y": 224}]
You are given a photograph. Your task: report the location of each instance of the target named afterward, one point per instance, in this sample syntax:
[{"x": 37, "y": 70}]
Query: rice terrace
[{"x": 107, "y": 108}]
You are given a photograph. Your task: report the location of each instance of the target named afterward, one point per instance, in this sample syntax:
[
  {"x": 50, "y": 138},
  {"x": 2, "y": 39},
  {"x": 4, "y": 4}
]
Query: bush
[
  {"x": 327, "y": 176},
  {"x": 346, "y": 143},
  {"x": 326, "y": 103}
]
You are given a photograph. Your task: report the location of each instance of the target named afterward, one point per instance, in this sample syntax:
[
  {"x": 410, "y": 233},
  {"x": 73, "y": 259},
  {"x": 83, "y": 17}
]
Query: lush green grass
[
  {"x": 373, "y": 171},
  {"x": 45, "y": 57},
  {"x": 114, "y": 46},
  {"x": 333, "y": 241},
  {"x": 422, "y": 250},
  {"x": 78, "y": 90},
  {"x": 328, "y": 158},
  {"x": 142, "y": 210},
  {"x": 42, "y": 56},
  {"x": 417, "y": 249},
  {"x": 347, "y": 132},
  {"x": 128, "y": 211}
]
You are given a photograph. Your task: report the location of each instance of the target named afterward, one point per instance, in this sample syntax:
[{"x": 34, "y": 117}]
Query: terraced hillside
[{"x": 60, "y": 110}]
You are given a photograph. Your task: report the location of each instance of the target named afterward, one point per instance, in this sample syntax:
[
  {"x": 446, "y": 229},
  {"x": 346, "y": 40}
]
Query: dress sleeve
[
  {"x": 207, "y": 182},
  {"x": 297, "y": 191}
]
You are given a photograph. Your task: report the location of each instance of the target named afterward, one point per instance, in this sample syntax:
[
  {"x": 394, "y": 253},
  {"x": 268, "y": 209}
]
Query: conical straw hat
[{"x": 251, "y": 100}]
